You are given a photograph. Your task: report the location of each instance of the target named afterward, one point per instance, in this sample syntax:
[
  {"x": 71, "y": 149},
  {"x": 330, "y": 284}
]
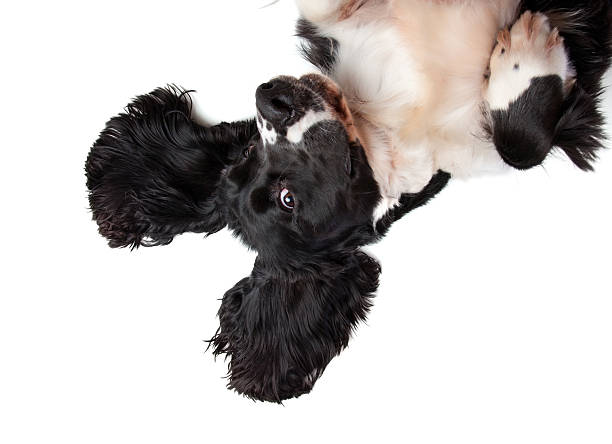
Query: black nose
[{"x": 275, "y": 101}]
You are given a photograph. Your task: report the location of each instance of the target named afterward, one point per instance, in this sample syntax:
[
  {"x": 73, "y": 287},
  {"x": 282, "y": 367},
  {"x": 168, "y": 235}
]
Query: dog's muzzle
[
  {"x": 276, "y": 102},
  {"x": 288, "y": 107}
]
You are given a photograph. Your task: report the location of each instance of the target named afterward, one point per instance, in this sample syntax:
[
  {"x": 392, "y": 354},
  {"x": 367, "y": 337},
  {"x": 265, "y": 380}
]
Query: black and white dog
[{"x": 410, "y": 94}]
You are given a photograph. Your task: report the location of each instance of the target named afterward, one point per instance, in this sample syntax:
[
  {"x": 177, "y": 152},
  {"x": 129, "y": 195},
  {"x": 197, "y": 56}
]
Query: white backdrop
[{"x": 491, "y": 324}]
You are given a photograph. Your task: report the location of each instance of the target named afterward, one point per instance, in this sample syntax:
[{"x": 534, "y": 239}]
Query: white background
[{"x": 492, "y": 323}]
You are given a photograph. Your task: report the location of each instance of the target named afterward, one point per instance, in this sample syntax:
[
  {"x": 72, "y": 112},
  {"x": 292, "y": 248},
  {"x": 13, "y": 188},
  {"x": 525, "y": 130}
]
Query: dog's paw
[
  {"x": 530, "y": 49},
  {"x": 317, "y": 11}
]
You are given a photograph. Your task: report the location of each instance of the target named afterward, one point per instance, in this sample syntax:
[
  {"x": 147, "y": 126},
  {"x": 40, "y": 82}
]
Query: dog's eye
[
  {"x": 286, "y": 199},
  {"x": 247, "y": 151}
]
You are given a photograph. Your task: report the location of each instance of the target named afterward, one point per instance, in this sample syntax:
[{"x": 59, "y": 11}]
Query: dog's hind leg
[
  {"x": 534, "y": 101},
  {"x": 585, "y": 26}
]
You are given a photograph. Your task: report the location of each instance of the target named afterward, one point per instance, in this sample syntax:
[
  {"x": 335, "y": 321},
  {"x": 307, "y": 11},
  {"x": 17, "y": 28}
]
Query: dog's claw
[{"x": 554, "y": 39}]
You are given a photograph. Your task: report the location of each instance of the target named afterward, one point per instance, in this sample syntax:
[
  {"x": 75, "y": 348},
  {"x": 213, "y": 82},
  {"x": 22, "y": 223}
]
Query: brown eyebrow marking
[
  {"x": 340, "y": 109},
  {"x": 335, "y": 102}
]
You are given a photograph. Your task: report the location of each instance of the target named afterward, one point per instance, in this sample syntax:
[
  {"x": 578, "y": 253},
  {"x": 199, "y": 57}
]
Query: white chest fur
[{"x": 412, "y": 73}]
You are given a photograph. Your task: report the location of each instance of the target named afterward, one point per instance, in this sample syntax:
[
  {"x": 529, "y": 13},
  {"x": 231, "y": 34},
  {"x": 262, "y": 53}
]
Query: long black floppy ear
[
  {"x": 280, "y": 328},
  {"x": 153, "y": 172}
]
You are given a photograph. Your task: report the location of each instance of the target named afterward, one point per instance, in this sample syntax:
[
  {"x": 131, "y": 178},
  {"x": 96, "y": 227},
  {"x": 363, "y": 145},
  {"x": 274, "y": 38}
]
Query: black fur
[
  {"x": 541, "y": 119},
  {"x": 331, "y": 203},
  {"x": 154, "y": 173},
  {"x": 280, "y": 327},
  {"x": 586, "y": 28},
  {"x": 411, "y": 201},
  {"x": 546, "y": 115},
  {"x": 524, "y": 133},
  {"x": 319, "y": 50},
  {"x": 579, "y": 131}
]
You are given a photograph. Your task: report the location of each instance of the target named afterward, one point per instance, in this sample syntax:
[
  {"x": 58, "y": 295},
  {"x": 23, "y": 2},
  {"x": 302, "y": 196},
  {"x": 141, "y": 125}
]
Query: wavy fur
[
  {"x": 153, "y": 172},
  {"x": 281, "y": 330}
]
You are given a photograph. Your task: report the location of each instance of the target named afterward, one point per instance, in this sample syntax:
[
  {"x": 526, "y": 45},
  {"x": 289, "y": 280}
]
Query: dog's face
[
  {"x": 296, "y": 187},
  {"x": 302, "y": 194},
  {"x": 303, "y": 183}
]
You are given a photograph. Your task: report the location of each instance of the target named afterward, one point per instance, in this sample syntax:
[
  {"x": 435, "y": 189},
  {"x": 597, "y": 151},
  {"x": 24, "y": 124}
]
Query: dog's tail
[{"x": 153, "y": 172}]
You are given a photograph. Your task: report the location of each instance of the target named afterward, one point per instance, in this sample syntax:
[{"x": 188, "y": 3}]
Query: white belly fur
[{"x": 412, "y": 73}]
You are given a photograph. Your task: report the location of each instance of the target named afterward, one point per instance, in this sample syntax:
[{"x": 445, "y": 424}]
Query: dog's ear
[
  {"x": 280, "y": 329},
  {"x": 579, "y": 131},
  {"x": 153, "y": 172}
]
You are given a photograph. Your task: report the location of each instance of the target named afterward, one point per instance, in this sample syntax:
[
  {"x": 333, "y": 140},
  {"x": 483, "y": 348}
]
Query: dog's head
[
  {"x": 303, "y": 195},
  {"x": 299, "y": 191},
  {"x": 294, "y": 185},
  {"x": 303, "y": 185}
]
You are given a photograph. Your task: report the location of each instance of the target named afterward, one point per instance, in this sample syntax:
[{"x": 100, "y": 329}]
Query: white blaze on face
[
  {"x": 295, "y": 133},
  {"x": 530, "y": 50},
  {"x": 266, "y": 131}
]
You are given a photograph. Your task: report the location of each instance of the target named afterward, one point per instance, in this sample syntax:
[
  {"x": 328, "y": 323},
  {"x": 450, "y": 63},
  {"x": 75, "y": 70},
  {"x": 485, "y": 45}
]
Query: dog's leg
[
  {"x": 153, "y": 172},
  {"x": 530, "y": 76},
  {"x": 411, "y": 201},
  {"x": 282, "y": 326},
  {"x": 531, "y": 49},
  {"x": 535, "y": 98},
  {"x": 317, "y": 11},
  {"x": 586, "y": 28}
]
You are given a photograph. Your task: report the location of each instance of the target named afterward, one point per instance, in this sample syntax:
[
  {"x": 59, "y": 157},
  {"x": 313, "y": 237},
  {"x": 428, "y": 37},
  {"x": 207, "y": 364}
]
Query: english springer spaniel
[{"x": 409, "y": 94}]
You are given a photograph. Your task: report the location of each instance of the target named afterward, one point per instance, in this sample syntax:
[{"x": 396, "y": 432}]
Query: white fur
[
  {"x": 412, "y": 72},
  {"x": 385, "y": 204},
  {"x": 532, "y": 58},
  {"x": 295, "y": 132},
  {"x": 269, "y": 136},
  {"x": 318, "y": 10}
]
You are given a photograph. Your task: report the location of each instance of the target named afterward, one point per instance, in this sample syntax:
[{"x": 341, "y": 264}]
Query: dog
[{"x": 409, "y": 93}]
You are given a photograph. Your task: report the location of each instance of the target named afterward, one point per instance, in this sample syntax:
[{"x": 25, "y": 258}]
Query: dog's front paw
[
  {"x": 529, "y": 78},
  {"x": 530, "y": 49},
  {"x": 316, "y": 11}
]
